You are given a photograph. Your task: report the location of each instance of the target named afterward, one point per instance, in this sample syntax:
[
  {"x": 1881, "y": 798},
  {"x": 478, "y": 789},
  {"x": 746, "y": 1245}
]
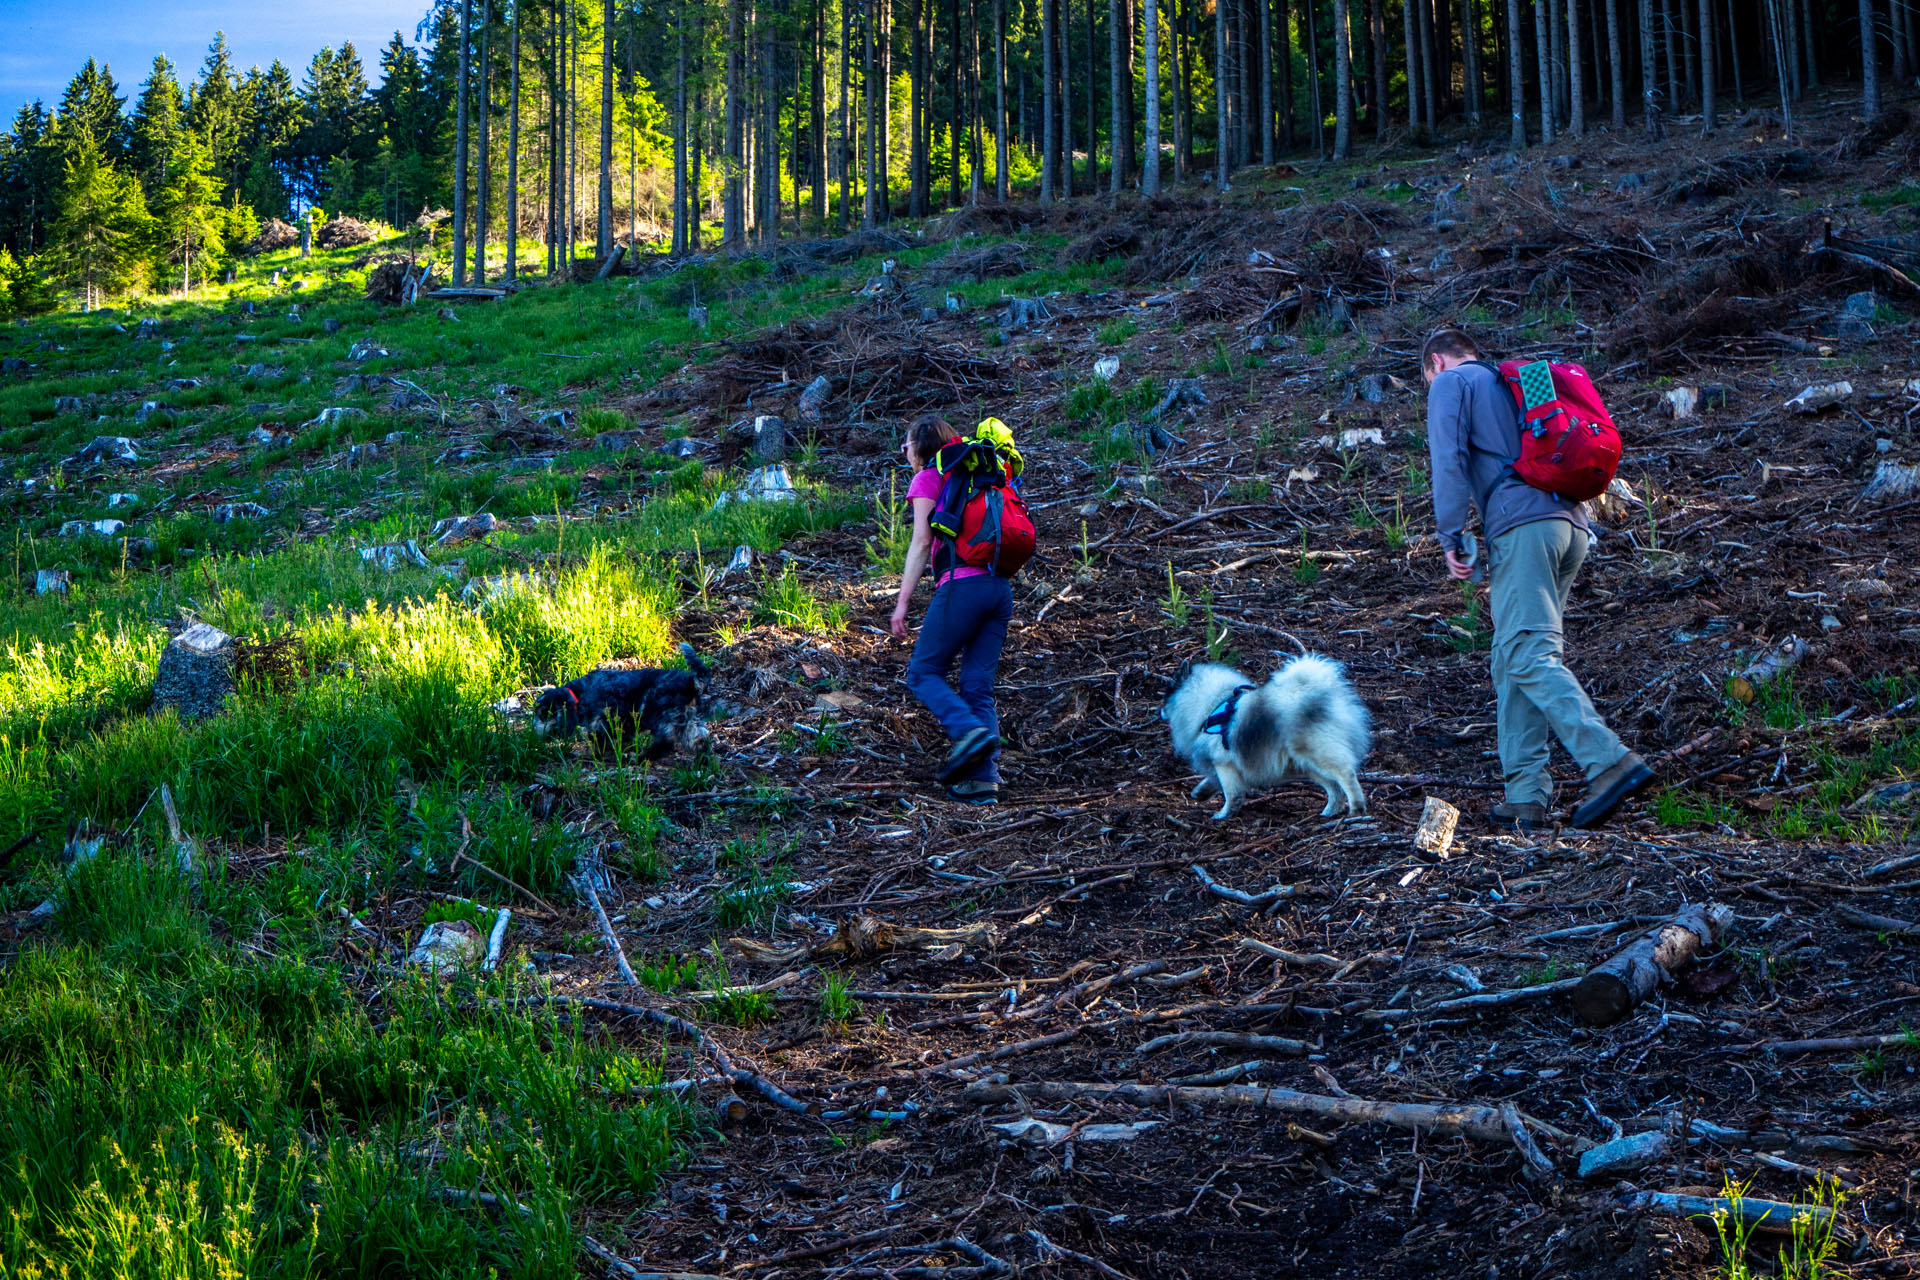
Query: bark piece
[
  {"x": 464, "y": 528},
  {"x": 1437, "y": 822},
  {"x": 394, "y": 554},
  {"x": 1636, "y": 972},
  {"x": 864, "y": 938},
  {"x": 1892, "y": 482},
  {"x": 813, "y": 400},
  {"x": 196, "y": 672},
  {"x": 1822, "y": 396},
  {"x": 108, "y": 449},
  {"x": 446, "y": 946}
]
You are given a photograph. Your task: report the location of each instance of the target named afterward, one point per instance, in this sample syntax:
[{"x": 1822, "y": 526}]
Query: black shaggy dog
[{"x": 610, "y": 703}]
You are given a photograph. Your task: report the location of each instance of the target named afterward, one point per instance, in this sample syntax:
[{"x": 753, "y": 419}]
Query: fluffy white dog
[{"x": 1239, "y": 735}]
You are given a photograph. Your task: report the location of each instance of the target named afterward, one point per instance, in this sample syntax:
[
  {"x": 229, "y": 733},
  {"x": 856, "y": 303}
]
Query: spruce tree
[
  {"x": 158, "y": 119},
  {"x": 101, "y": 227},
  {"x": 218, "y": 111},
  {"x": 92, "y": 105},
  {"x": 189, "y": 218}
]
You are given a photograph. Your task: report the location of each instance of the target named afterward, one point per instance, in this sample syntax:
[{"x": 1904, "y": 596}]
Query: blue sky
[{"x": 47, "y": 42}]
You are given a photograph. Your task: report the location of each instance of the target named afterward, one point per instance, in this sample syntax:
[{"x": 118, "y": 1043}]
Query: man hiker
[{"x": 1536, "y": 542}]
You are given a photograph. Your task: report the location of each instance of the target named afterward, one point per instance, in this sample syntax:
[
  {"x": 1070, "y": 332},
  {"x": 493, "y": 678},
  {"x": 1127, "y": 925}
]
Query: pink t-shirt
[{"x": 926, "y": 484}]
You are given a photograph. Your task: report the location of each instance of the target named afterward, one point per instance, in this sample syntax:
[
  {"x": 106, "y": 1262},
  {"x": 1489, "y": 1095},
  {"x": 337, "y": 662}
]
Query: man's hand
[
  {"x": 1457, "y": 568},
  {"x": 898, "y": 623}
]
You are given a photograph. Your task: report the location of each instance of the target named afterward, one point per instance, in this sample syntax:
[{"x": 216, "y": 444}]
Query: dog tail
[{"x": 700, "y": 669}]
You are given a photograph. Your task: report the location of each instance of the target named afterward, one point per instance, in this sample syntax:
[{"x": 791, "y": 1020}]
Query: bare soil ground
[{"x": 1720, "y": 264}]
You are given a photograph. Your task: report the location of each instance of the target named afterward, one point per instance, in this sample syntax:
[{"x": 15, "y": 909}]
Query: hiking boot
[
  {"x": 1522, "y": 816},
  {"x": 1628, "y": 776},
  {"x": 974, "y": 746},
  {"x": 975, "y": 791}
]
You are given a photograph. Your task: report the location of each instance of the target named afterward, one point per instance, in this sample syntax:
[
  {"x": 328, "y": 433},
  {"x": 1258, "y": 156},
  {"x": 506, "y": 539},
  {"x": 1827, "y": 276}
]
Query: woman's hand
[{"x": 898, "y": 623}]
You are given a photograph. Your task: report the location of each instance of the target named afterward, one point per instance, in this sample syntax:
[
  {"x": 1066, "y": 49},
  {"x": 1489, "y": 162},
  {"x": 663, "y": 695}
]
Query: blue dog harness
[{"x": 1222, "y": 716}]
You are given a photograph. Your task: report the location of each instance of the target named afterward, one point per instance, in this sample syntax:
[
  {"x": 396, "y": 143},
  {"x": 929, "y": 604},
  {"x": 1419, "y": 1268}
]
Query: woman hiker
[{"x": 967, "y": 618}]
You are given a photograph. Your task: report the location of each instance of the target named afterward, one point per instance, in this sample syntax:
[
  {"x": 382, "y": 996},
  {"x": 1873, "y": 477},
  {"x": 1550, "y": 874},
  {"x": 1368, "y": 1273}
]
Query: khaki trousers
[{"x": 1533, "y": 569}]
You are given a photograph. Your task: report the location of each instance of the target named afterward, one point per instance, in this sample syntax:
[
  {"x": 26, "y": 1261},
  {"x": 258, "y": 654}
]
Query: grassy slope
[{"x": 190, "y": 1083}]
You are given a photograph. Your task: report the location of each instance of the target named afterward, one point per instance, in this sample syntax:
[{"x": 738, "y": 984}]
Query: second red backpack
[
  {"x": 1568, "y": 443},
  {"x": 981, "y": 519}
]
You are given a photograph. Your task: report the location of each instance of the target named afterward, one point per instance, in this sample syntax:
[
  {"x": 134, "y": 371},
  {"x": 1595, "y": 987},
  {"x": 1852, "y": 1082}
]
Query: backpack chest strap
[{"x": 1222, "y": 717}]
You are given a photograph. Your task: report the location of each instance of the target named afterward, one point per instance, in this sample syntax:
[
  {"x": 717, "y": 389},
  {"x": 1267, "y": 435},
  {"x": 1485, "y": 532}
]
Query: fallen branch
[
  {"x": 680, "y": 1026},
  {"x": 1607, "y": 993},
  {"x": 1485, "y": 1123},
  {"x": 460, "y": 855},
  {"x": 1878, "y": 869},
  {"x": 1278, "y": 893},
  {"x": 1530, "y": 1152},
  {"x": 1050, "y": 1250},
  {"x": 1843, "y": 1044},
  {"x": 1880, "y": 924},
  {"x": 585, "y": 884},
  {"x": 824, "y": 1250},
  {"x": 1765, "y": 1215},
  {"x": 626, "y": 1270},
  {"x": 1092, "y": 986},
  {"x": 1316, "y": 960},
  {"x": 1478, "y": 1001},
  {"x": 7, "y": 855},
  {"x": 497, "y": 939},
  {"x": 1228, "y": 1040}
]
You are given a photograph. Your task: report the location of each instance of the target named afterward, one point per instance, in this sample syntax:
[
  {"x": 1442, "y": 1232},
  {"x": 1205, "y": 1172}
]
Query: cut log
[
  {"x": 1636, "y": 972},
  {"x": 1485, "y": 1123},
  {"x": 612, "y": 263},
  {"x": 196, "y": 672}
]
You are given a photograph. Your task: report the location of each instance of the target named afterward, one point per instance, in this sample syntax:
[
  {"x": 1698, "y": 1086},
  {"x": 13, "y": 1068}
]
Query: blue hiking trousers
[{"x": 968, "y": 618}]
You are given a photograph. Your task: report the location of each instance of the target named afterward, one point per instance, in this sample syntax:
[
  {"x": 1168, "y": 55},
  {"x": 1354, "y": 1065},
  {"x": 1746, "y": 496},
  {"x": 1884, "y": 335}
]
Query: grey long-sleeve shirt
[{"x": 1473, "y": 433}]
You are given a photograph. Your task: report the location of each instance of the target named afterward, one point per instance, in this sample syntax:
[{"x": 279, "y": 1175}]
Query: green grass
[
  {"x": 196, "y": 1084},
  {"x": 837, "y": 1003},
  {"x": 785, "y": 601},
  {"x": 177, "y": 1105}
]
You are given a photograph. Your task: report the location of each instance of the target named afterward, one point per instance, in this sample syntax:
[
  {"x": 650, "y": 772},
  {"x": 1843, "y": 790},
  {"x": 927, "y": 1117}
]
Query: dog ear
[{"x": 1180, "y": 676}]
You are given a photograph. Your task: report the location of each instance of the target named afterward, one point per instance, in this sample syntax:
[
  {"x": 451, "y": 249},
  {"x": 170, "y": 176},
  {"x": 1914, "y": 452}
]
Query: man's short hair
[{"x": 1449, "y": 342}]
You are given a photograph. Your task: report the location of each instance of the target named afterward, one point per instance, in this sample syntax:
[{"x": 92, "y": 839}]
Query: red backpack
[
  {"x": 981, "y": 518},
  {"x": 1568, "y": 443}
]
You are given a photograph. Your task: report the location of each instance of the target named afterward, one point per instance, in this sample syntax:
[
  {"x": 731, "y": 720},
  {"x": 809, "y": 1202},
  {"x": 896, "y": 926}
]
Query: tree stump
[
  {"x": 769, "y": 439},
  {"x": 196, "y": 672}
]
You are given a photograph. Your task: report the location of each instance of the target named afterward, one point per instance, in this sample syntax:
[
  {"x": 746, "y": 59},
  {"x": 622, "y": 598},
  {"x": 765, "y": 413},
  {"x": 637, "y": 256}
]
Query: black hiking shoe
[
  {"x": 975, "y": 792},
  {"x": 1628, "y": 776},
  {"x": 974, "y": 746},
  {"x": 1524, "y": 816}
]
